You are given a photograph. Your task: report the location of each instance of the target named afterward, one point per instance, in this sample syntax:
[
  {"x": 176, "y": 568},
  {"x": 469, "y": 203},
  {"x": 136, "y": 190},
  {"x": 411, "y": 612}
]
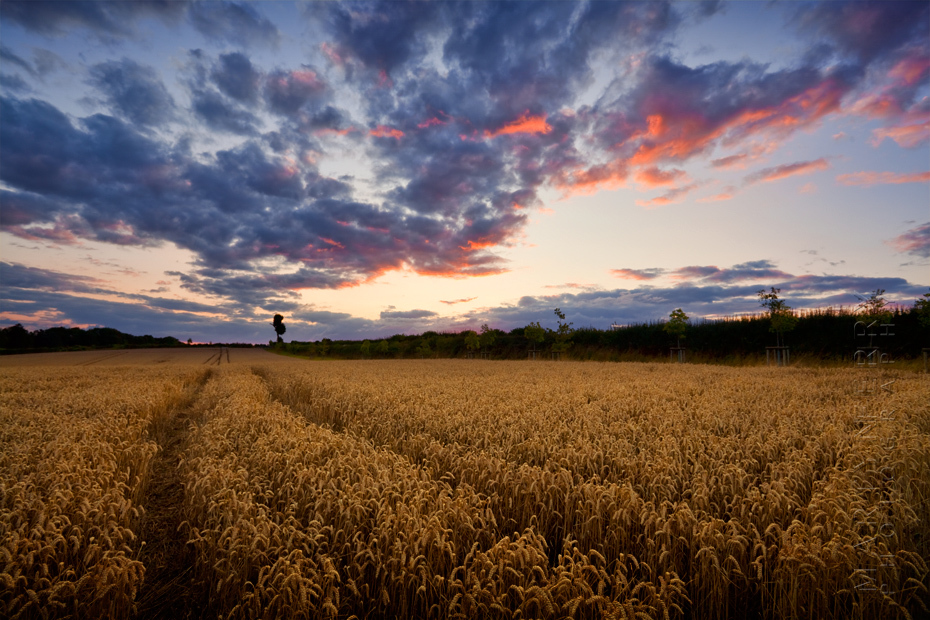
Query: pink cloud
[
  {"x": 907, "y": 136},
  {"x": 915, "y": 241},
  {"x": 335, "y": 55},
  {"x": 733, "y": 162},
  {"x": 788, "y": 170},
  {"x": 637, "y": 274},
  {"x": 910, "y": 70},
  {"x": 869, "y": 178}
]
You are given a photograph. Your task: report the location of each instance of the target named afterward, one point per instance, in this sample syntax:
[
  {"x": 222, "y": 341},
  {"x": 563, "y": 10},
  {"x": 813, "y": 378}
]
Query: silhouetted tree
[
  {"x": 15, "y": 337},
  {"x": 874, "y": 307},
  {"x": 922, "y": 308},
  {"x": 535, "y": 334},
  {"x": 563, "y": 335},
  {"x": 782, "y": 318},
  {"x": 676, "y": 325},
  {"x": 472, "y": 341},
  {"x": 488, "y": 337},
  {"x": 279, "y": 327}
]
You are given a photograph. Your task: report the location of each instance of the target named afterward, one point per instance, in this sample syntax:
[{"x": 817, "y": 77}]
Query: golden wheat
[{"x": 444, "y": 489}]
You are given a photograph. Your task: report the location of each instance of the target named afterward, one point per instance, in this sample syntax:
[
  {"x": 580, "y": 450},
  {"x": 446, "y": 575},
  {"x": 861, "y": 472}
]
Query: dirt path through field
[{"x": 168, "y": 591}]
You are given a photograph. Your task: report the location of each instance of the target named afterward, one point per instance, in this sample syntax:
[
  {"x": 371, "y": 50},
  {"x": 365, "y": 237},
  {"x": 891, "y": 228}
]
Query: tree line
[
  {"x": 17, "y": 339},
  {"x": 824, "y": 334}
]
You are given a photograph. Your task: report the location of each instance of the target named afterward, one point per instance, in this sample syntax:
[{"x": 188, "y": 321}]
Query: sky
[{"x": 190, "y": 169}]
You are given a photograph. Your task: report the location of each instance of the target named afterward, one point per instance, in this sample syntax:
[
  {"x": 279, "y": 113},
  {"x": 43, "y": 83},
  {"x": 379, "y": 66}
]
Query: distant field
[
  {"x": 182, "y": 482},
  {"x": 137, "y": 357}
]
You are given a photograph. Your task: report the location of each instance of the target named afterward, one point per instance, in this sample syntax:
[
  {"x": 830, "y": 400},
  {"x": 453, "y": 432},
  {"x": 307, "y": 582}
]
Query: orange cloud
[
  {"x": 524, "y": 124},
  {"x": 430, "y": 122},
  {"x": 717, "y": 197},
  {"x": 386, "y": 132},
  {"x": 605, "y": 176},
  {"x": 332, "y": 243},
  {"x": 671, "y": 196},
  {"x": 653, "y": 177},
  {"x": 882, "y": 178},
  {"x": 477, "y": 245},
  {"x": 676, "y": 137},
  {"x": 328, "y": 131}
]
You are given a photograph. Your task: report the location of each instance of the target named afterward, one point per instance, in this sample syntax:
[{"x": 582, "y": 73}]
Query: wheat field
[{"x": 460, "y": 488}]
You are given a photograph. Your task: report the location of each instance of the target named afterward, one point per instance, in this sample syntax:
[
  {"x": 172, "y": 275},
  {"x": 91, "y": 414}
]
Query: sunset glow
[{"x": 192, "y": 169}]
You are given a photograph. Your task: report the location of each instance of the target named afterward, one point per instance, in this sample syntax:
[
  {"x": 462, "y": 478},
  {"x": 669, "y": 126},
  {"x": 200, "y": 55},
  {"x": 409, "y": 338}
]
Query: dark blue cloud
[
  {"x": 866, "y": 30},
  {"x": 108, "y": 20},
  {"x": 29, "y": 290},
  {"x": 650, "y": 303},
  {"x": 233, "y": 22},
  {"x": 9, "y": 56},
  {"x": 241, "y": 205},
  {"x": 14, "y": 84},
  {"x": 286, "y": 92},
  {"x": 217, "y": 113},
  {"x": 383, "y": 36},
  {"x": 407, "y": 314},
  {"x": 134, "y": 91},
  {"x": 236, "y": 77}
]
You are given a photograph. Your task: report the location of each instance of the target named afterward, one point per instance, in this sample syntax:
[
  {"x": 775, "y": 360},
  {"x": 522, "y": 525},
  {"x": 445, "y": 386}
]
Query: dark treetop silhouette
[{"x": 278, "y": 325}]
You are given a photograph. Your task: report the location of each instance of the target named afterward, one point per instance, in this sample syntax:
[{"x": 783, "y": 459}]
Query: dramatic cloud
[{"x": 426, "y": 137}]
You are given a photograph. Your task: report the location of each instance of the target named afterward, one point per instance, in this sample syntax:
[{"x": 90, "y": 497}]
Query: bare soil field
[{"x": 187, "y": 483}]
